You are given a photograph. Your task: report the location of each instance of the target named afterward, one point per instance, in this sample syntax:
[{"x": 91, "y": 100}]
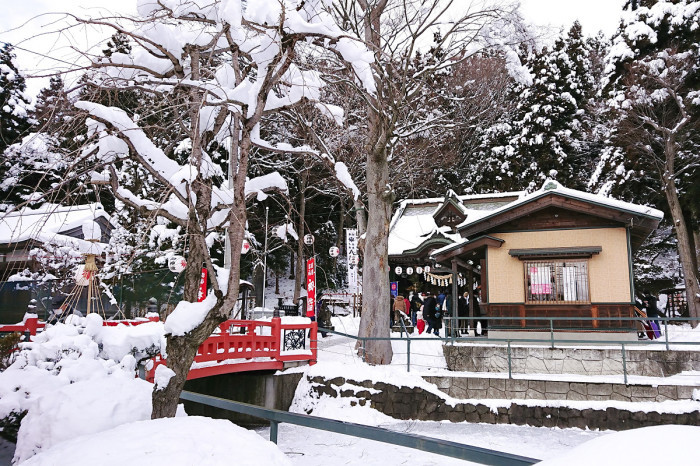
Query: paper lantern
[
  {"x": 398, "y": 270},
  {"x": 334, "y": 251},
  {"x": 419, "y": 270},
  {"x": 245, "y": 246},
  {"x": 426, "y": 269},
  {"x": 309, "y": 239},
  {"x": 177, "y": 264},
  {"x": 409, "y": 270}
]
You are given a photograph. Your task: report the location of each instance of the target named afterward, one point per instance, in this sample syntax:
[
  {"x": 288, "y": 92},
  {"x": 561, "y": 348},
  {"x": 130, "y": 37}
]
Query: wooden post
[
  {"x": 455, "y": 290},
  {"x": 471, "y": 282}
]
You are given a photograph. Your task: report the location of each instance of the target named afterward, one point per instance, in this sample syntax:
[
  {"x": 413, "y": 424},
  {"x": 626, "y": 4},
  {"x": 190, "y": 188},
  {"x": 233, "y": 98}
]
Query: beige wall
[{"x": 608, "y": 271}]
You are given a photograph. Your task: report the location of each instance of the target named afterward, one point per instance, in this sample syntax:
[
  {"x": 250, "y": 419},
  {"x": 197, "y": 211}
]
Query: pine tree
[
  {"x": 14, "y": 121},
  {"x": 545, "y": 137},
  {"x": 654, "y": 91}
]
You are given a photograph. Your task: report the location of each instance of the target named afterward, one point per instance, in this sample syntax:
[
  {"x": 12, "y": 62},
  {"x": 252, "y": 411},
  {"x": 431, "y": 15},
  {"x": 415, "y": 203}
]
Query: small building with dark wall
[
  {"x": 27, "y": 229},
  {"x": 556, "y": 252}
]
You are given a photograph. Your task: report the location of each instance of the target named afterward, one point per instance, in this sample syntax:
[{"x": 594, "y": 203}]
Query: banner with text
[
  {"x": 352, "y": 257},
  {"x": 310, "y": 287},
  {"x": 202, "y": 286}
]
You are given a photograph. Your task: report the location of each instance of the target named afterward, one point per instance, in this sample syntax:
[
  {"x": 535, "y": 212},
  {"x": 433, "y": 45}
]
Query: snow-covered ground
[{"x": 77, "y": 383}]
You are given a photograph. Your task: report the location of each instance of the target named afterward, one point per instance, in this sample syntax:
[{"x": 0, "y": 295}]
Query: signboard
[
  {"x": 202, "y": 286},
  {"x": 310, "y": 287},
  {"x": 351, "y": 251},
  {"x": 394, "y": 289}
]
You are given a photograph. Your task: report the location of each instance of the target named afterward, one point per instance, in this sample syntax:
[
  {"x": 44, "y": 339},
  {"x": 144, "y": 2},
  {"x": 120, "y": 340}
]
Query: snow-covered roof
[
  {"x": 551, "y": 186},
  {"x": 413, "y": 222},
  {"x": 48, "y": 223}
]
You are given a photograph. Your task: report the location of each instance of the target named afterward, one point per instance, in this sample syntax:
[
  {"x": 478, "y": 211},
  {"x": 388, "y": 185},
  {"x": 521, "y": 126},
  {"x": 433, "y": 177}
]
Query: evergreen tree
[
  {"x": 654, "y": 92},
  {"x": 545, "y": 137},
  {"x": 14, "y": 121}
]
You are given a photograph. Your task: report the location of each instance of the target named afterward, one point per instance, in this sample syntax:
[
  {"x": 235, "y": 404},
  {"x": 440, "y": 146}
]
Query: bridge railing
[{"x": 260, "y": 345}]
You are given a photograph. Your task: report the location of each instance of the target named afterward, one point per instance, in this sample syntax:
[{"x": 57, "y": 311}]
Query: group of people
[{"x": 428, "y": 310}]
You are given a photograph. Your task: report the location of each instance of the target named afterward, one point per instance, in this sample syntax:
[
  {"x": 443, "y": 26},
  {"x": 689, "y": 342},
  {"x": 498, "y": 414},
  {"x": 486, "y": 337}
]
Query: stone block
[
  {"x": 556, "y": 387},
  {"x": 593, "y": 366},
  {"x": 554, "y": 366},
  {"x": 622, "y": 390},
  {"x": 619, "y": 397},
  {"x": 592, "y": 355},
  {"x": 685, "y": 392},
  {"x": 572, "y": 395},
  {"x": 644, "y": 391},
  {"x": 572, "y": 366},
  {"x": 443, "y": 383},
  {"x": 515, "y": 395},
  {"x": 633, "y": 355},
  {"x": 536, "y": 385},
  {"x": 459, "y": 392},
  {"x": 477, "y": 383},
  {"x": 498, "y": 384},
  {"x": 471, "y": 416},
  {"x": 642, "y": 399},
  {"x": 481, "y": 409},
  {"x": 600, "y": 389},
  {"x": 534, "y": 395},
  {"x": 611, "y": 366},
  {"x": 535, "y": 366},
  {"x": 456, "y": 416},
  {"x": 498, "y": 364},
  {"x": 469, "y": 408},
  {"x": 476, "y": 394},
  {"x": 338, "y": 381},
  {"x": 495, "y": 394},
  {"x": 599, "y": 397},
  {"x": 516, "y": 385},
  {"x": 556, "y": 353},
  {"x": 580, "y": 388}
]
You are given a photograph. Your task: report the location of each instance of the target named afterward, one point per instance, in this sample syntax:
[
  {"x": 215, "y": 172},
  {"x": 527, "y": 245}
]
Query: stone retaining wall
[
  {"x": 417, "y": 403},
  {"x": 544, "y": 360},
  {"x": 523, "y": 389}
]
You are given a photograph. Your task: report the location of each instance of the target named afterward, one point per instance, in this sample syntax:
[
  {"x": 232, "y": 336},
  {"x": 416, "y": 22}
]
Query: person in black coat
[
  {"x": 416, "y": 303},
  {"x": 429, "y": 313}
]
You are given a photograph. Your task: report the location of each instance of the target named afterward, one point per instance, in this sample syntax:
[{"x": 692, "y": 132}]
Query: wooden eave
[
  {"x": 419, "y": 252},
  {"x": 570, "y": 252},
  {"x": 450, "y": 203},
  {"x": 476, "y": 243},
  {"x": 640, "y": 225}
]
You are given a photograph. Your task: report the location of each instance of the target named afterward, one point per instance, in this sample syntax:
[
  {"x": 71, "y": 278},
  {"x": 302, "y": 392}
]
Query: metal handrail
[{"x": 418, "y": 442}]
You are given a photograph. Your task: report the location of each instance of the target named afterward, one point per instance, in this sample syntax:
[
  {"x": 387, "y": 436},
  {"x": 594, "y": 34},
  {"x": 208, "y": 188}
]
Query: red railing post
[
  {"x": 276, "y": 332},
  {"x": 313, "y": 343},
  {"x": 31, "y": 324}
]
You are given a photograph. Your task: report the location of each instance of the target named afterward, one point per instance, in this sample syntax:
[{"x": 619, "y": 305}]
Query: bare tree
[{"x": 445, "y": 32}]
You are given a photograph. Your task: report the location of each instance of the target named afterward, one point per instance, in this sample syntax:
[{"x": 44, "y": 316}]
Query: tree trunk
[
  {"x": 300, "y": 268},
  {"x": 685, "y": 253},
  {"x": 375, "y": 269}
]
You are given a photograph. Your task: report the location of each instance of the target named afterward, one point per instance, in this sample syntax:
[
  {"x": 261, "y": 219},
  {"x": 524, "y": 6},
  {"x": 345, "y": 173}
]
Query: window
[{"x": 555, "y": 282}]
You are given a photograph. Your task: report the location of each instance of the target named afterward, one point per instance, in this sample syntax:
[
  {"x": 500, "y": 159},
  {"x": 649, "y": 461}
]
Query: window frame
[{"x": 558, "y": 289}]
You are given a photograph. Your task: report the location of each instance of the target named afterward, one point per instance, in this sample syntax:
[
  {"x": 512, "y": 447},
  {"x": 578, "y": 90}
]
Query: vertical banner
[
  {"x": 202, "y": 286},
  {"x": 310, "y": 287},
  {"x": 352, "y": 257},
  {"x": 394, "y": 289}
]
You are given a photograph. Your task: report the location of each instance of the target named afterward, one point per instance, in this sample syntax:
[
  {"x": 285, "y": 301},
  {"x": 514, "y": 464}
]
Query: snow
[
  {"x": 165, "y": 442},
  {"x": 48, "y": 223},
  {"x": 635, "y": 447},
  {"x": 260, "y": 184},
  {"x": 550, "y": 186},
  {"x": 343, "y": 175},
  {"x": 187, "y": 316}
]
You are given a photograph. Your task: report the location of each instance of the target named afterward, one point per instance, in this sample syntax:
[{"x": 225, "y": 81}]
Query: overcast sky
[{"x": 16, "y": 24}]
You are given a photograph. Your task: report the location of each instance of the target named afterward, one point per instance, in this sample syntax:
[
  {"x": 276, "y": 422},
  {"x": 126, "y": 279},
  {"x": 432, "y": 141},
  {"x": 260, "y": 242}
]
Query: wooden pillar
[
  {"x": 455, "y": 290},
  {"x": 470, "y": 286}
]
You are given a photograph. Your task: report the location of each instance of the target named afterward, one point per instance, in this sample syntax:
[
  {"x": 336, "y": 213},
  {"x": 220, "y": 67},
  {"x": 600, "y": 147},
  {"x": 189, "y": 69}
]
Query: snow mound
[
  {"x": 166, "y": 442},
  {"x": 649, "y": 445}
]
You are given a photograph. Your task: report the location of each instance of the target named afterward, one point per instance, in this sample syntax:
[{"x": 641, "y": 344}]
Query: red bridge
[{"x": 236, "y": 346}]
